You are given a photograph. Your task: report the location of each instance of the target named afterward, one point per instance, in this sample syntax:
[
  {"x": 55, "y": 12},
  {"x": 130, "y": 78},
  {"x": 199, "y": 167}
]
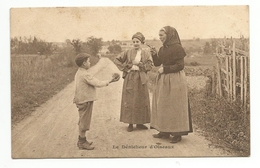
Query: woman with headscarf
[
  {"x": 135, "y": 104},
  {"x": 170, "y": 106}
]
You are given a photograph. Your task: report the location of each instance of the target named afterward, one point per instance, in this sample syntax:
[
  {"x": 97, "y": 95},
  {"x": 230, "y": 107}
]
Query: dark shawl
[
  {"x": 171, "y": 54},
  {"x": 172, "y": 36}
]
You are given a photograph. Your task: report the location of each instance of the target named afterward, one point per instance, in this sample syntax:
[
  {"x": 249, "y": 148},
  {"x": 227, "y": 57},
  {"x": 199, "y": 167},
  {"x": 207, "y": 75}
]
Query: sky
[{"x": 120, "y": 23}]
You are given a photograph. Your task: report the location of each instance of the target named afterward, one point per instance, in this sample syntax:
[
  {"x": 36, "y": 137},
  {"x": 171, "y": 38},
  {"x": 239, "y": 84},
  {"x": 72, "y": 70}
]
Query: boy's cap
[{"x": 80, "y": 58}]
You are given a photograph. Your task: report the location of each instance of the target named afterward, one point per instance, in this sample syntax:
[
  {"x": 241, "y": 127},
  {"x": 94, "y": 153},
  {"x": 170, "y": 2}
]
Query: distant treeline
[
  {"x": 35, "y": 45},
  {"x": 31, "y": 45}
]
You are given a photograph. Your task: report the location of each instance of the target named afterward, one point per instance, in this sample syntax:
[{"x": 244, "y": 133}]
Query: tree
[
  {"x": 214, "y": 44},
  {"x": 207, "y": 48},
  {"x": 115, "y": 49},
  {"x": 76, "y": 43},
  {"x": 68, "y": 42},
  {"x": 31, "y": 46},
  {"x": 94, "y": 45}
]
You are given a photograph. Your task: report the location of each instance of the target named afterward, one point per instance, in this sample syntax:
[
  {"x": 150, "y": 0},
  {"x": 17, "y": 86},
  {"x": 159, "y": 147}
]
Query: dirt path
[{"x": 52, "y": 132}]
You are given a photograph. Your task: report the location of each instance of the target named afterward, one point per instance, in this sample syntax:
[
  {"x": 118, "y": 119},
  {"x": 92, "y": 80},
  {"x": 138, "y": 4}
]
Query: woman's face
[
  {"x": 137, "y": 43},
  {"x": 162, "y": 36}
]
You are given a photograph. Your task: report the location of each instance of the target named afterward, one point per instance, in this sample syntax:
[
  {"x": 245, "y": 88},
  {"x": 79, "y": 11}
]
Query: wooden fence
[{"x": 231, "y": 75}]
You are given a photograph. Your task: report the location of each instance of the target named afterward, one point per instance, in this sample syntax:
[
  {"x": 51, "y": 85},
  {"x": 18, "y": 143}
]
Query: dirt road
[{"x": 52, "y": 132}]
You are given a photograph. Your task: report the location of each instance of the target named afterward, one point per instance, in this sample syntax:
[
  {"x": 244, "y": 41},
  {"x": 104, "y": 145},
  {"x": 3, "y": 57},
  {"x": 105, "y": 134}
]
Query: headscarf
[
  {"x": 139, "y": 36},
  {"x": 172, "y": 36}
]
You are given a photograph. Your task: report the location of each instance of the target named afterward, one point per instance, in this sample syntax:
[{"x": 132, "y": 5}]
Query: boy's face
[{"x": 86, "y": 64}]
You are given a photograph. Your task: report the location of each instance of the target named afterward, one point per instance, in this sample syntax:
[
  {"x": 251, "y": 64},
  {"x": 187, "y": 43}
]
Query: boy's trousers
[{"x": 85, "y": 112}]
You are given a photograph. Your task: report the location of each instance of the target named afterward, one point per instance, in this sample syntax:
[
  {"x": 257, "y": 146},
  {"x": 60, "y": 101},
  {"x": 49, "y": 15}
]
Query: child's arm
[{"x": 95, "y": 82}]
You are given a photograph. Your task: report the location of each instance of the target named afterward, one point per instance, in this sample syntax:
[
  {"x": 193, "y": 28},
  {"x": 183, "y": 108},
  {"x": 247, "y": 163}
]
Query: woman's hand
[
  {"x": 153, "y": 50},
  {"x": 160, "y": 70}
]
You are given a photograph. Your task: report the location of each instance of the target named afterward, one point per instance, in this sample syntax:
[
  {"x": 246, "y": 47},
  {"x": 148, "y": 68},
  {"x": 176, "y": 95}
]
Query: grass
[
  {"x": 35, "y": 79},
  {"x": 225, "y": 124},
  {"x": 202, "y": 60}
]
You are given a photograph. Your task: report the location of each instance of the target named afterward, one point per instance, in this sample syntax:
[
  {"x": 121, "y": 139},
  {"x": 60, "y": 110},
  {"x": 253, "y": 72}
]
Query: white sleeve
[{"x": 95, "y": 82}]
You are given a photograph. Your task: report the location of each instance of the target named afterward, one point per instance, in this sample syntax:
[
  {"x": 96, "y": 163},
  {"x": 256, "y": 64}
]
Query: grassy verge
[
  {"x": 35, "y": 79},
  {"x": 226, "y": 125}
]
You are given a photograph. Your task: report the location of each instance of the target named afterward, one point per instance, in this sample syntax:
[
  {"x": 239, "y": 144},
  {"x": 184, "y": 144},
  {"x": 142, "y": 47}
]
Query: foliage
[
  {"x": 113, "y": 42},
  {"x": 191, "y": 50},
  {"x": 94, "y": 45},
  {"x": 207, "y": 48},
  {"x": 115, "y": 49},
  {"x": 31, "y": 45},
  {"x": 34, "y": 79},
  {"x": 227, "y": 125},
  {"x": 76, "y": 43}
]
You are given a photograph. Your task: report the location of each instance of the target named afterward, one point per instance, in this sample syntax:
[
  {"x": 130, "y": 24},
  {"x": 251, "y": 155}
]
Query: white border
[{"x": 5, "y": 124}]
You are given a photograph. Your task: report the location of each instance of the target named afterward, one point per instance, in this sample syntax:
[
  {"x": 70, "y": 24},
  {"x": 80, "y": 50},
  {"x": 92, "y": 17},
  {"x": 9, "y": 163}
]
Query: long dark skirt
[{"x": 135, "y": 104}]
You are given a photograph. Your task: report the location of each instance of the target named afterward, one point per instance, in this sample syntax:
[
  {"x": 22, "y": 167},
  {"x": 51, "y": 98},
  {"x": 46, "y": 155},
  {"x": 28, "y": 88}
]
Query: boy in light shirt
[{"x": 85, "y": 94}]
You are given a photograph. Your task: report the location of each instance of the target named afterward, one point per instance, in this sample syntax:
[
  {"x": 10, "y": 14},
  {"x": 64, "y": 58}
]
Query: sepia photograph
[
  {"x": 130, "y": 82},
  {"x": 140, "y": 84}
]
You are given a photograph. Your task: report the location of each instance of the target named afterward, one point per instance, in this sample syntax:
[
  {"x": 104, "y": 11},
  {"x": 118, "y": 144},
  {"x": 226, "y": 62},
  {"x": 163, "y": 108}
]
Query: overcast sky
[{"x": 120, "y": 23}]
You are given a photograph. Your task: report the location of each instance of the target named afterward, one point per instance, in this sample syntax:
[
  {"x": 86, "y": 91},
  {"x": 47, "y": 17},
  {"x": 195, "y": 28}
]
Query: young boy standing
[{"x": 85, "y": 94}]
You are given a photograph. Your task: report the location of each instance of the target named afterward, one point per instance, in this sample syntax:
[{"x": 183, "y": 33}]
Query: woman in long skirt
[
  {"x": 135, "y": 104},
  {"x": 170, "y": 105}
]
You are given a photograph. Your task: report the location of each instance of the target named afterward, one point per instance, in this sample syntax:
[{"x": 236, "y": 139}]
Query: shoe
[
  {"x": 161, "y": 135},
  {"x": 176, "y": 139},
  {"x": 141, "y": 126},
  {"x": 130, "y": 128},
  {"x": 90, "y": 143},
  {"x": 84, "y": 144}
]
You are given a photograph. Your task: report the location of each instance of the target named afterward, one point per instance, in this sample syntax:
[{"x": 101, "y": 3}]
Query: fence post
[
  {"x": 213, "y": 84},
  {"x": 245, "y": 80},
  {"x": 234, "y": 71},
  {"x": 242, "y": 79},
  {"x": 227, "y": 77},
  {"x": 230, "y": 77},
  {"x": 219, "y": 78}
]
